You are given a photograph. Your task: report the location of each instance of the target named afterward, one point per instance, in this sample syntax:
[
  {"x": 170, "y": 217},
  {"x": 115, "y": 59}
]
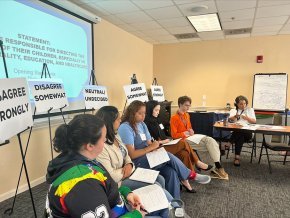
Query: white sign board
[
  {"x": 270, "y": 92},
  {"x": 15, "y": 109},
  {"x": 136, "y": 92},
  {"x": 95, "y": 96},
  {"x": 157, "y": 93},
  {"x": 47, "y": 94}
]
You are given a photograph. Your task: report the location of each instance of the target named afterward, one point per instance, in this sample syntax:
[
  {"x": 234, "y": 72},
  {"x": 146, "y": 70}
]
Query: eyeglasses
[{"x": 187, "y": 105}]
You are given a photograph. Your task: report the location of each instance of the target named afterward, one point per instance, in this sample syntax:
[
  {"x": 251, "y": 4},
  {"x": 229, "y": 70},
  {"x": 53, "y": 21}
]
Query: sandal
[{"x": 237, "y": 162}]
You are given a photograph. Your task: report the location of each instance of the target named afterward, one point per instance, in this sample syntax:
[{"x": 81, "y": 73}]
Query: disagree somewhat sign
[
  {"x": 157, "y": 93},
  {"x": 15, "y": 109},
  {"x": 95, "y": 96},
  {"x": 47, "y": 94},
  {"x": 136, "y": 92}
]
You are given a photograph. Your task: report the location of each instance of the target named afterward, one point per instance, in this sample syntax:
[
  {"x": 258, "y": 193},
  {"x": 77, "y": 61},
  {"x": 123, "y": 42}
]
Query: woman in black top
[{"x": 181, "y": 149}]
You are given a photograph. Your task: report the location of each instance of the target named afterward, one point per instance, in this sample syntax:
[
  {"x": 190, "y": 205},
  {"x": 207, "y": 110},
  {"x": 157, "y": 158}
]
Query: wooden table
[{"x": 264, "y": 129}]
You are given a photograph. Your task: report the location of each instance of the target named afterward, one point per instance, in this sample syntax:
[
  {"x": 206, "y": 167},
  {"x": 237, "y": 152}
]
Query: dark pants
[{"x": 239, "y": 138}]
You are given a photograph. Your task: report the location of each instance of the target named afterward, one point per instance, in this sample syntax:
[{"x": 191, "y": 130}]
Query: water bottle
[{"x": 226, "y": 120}]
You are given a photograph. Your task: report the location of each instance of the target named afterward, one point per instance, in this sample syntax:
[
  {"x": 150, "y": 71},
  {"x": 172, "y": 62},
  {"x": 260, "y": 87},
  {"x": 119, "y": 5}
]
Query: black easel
[
  {"x": 45, "y": 73},
  {"x": 6, "y": 72},
  {"x": 10, "y": 210},
  {"x": 133, "y": 81},
  {"x": 154, "y": 83},
  {"x": 93, "y": 81}
]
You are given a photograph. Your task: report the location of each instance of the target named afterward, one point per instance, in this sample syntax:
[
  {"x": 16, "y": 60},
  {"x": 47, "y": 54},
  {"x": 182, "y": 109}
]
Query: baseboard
[{"x": 21, "y": 189}]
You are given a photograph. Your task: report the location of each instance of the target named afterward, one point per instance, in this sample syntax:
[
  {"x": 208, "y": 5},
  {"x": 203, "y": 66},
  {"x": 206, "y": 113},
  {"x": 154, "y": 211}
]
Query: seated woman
[
  {"x": 243, "y": 115},
  {"x": 115, "y": 158},
  {"x": 182, "y": 149},
  {"x": 134, "y": 134},
  {"x": 80, "y": 186}
]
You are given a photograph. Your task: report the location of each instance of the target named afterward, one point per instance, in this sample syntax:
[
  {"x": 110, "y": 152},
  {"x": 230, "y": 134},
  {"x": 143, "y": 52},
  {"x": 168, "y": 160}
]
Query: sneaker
[
  {"x": 219, "y": 174},
  {"x": 202, "y": 179}
]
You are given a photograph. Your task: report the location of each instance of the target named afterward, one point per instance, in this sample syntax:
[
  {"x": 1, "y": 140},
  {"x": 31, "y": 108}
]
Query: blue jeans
[
  {"x": 132, "y": 184},
  {"x": 173, "y": 171}
]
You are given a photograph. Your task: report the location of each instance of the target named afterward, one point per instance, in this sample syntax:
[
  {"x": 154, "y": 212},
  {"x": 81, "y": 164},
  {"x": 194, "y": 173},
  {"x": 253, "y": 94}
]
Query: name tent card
[
  {"x": 47, "y": 94},
  {"x": 157, "y": 93},
  {"x": 136, "y": 92},
  {"x": 15, "y": 110},
  {"x": 95, "y": 96}
]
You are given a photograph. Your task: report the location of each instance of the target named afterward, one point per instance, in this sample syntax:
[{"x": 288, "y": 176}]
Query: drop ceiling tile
[
  {"x": 127, "y": 27},
  {"x": 237, "y": 24},
  {"x": 134, "y": 17},
  {"x": 211, "y": 35},
  {"x": 163, "y": 37},
  {"x": 174, "y": 22},
  {"x": 245, "y": 14},
  {"x": 264, "y": 34},
  {"x": 146, "y": 25},
  {"x": 164, "y": 13},
  {"x": 261, "y": 29},
  {"x": 226, "y": 5},
  {"x": 272, "y": 11},
  {"x": 115, "y": 7},
  {"x": 190, "y": 40},
  {"x": 113, "y": 19},
  {"x": 189, "y": 9},
  {"x": 180, "y": 30},
  {"x": 171, "y": 41},
  {"x": 270, "y": 21},
  {"x": 92, "y": 7},
  {"x": 182, "y": 2},
  {"x": 138, "y": 33},
  {"x": 286, "y": 27},
  {"x": 152, "y": 4},
  {"x": 263, "y": 3},
  {"x": 238, "y": 36},
  {"x": 284, "y": 32},
  {"x": 156, "y": 32},
  {"x": 81, "y": 2}
]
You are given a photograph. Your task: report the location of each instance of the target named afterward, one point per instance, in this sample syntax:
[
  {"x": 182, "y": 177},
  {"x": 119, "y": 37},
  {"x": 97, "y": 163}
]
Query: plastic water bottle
[{"x": 226, "y": 120}]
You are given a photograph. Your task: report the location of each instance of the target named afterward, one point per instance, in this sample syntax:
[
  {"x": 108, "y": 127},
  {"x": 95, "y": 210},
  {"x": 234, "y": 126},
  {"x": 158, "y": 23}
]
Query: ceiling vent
[
  {"x": 186, "y": 36},
  {"x": 238, "y": 31}
]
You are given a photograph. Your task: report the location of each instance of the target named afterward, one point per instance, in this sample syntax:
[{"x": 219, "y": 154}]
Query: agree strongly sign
[{"x": 15, "y": 109}]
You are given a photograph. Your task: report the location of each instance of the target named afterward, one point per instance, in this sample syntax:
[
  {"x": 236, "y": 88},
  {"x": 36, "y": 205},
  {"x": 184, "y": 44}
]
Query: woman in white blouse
[{"x": 242, "y": 115}]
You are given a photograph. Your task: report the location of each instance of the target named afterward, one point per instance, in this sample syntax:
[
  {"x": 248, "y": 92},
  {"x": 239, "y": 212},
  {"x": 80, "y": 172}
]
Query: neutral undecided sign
[
  {"x": 95, "y": 97},
  {"x": 15, "y": 109},
  {"x": 47, "y": 94},
  {"x": 157, "y": 93},
  {"x": 136, "y": 92}
]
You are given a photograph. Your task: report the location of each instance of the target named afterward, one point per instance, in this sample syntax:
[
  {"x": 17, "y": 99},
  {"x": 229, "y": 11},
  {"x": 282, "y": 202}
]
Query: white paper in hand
[
  {"x": 195, "y": 138},
  {"x": 152, "y": 197},
  {"x": 144, "y": 175},
  {"x": 173, "y": 142},
  {"x": 157, "y": 157}
]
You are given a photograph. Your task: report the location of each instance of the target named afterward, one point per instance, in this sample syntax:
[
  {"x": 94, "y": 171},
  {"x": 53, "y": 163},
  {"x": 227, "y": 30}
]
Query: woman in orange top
[{"x": 181, "y": 128}]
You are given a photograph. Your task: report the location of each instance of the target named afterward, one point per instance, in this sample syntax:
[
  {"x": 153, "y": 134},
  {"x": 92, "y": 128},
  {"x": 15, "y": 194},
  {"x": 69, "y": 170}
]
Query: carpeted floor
[{"x": 250, "y": 192}]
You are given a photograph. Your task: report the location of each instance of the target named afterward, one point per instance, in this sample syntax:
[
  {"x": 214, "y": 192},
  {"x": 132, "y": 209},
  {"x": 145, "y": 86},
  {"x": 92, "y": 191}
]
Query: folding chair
[{"x": 274, "y": 147}]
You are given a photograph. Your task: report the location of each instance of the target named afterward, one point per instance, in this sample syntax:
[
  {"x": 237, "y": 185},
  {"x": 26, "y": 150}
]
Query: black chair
[
  {"x": 274, "y": 147},
  {"x": 250, "y": 144}
]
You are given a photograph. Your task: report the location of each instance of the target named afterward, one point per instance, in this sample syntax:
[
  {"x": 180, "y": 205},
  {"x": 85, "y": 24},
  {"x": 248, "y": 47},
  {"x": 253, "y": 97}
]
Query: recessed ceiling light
[{"x": 206, "y": 22}]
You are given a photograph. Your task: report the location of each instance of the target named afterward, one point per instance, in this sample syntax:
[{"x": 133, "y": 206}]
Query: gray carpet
[{"x": 250, "y": 192}]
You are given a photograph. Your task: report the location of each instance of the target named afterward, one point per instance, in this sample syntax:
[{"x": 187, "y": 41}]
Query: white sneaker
[{"x": 202, "y": 179}]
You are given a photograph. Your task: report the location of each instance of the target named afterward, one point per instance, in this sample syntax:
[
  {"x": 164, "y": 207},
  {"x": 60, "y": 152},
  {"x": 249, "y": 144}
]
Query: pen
[{"x": 143, "y": 209}]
